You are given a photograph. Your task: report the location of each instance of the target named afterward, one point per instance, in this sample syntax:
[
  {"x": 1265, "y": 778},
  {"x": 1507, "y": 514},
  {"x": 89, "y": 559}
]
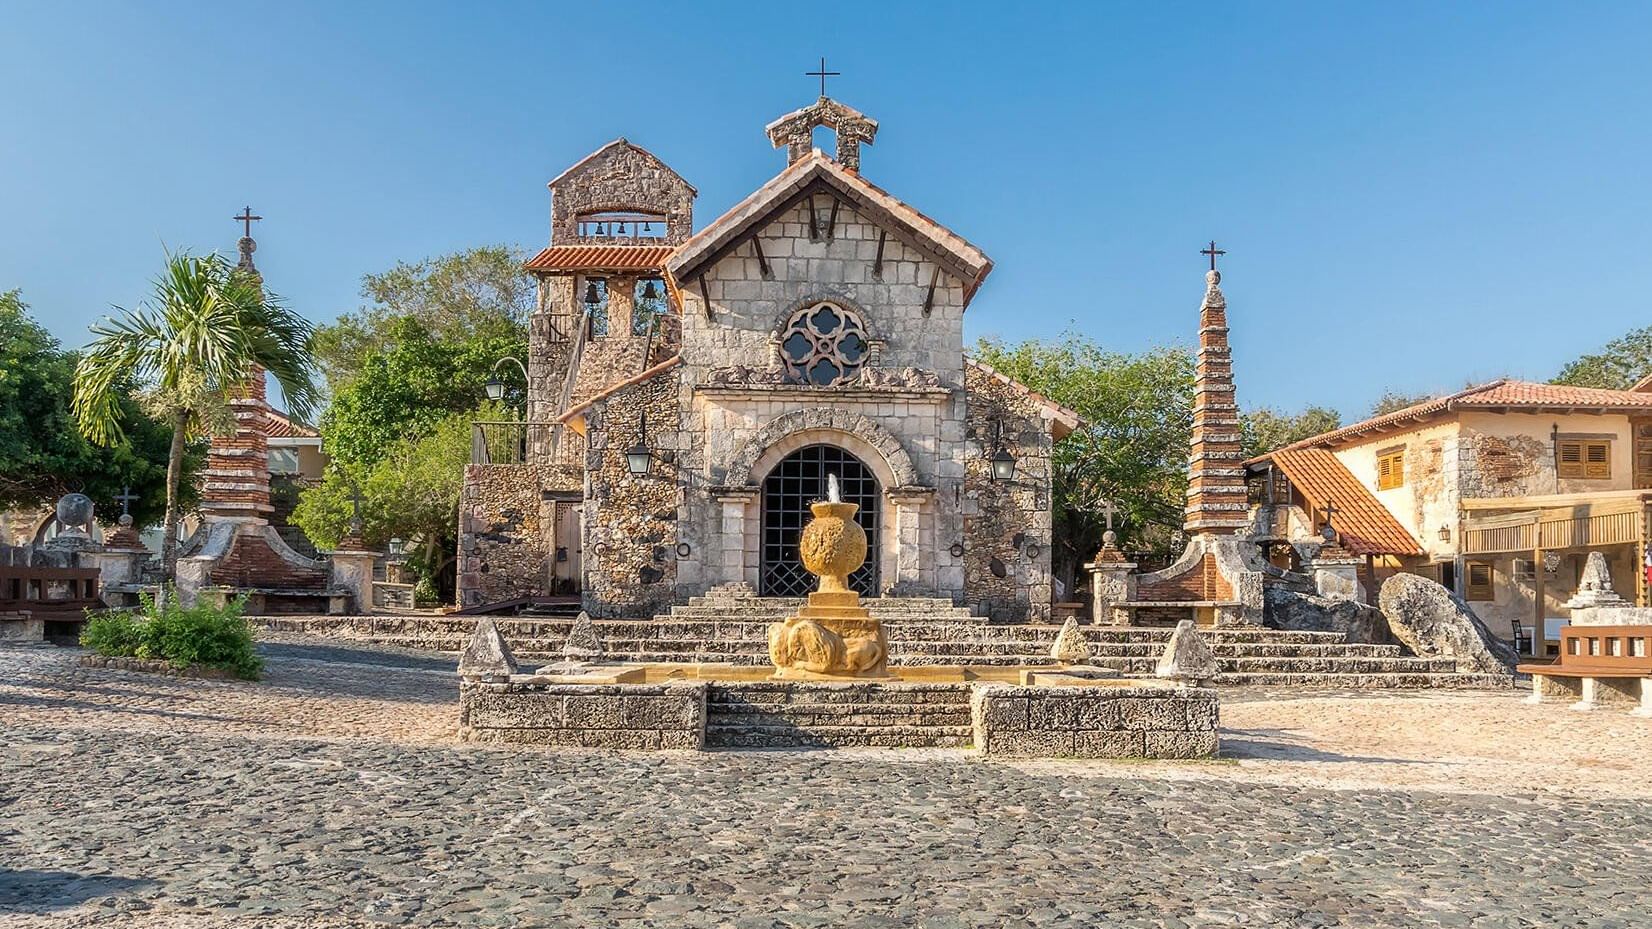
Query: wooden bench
[{"x": 1598, "y": 665}]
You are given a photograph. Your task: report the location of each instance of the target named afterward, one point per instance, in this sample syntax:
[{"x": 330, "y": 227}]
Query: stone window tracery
[{"x": 824, "y": 344}]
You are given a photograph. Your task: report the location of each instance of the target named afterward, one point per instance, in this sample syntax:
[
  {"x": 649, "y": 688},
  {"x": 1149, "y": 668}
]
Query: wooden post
[{"x": 1537, "y": 580}]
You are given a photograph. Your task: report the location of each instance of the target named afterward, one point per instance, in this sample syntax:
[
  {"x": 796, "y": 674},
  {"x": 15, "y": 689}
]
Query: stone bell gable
[{"x": 620, "y": 178}]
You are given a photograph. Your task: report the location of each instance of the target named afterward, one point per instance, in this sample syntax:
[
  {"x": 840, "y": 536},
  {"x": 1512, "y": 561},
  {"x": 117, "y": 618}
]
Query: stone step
[
  {"x": 1392, "y": 681},
  {"x": 719, "y": 735}
]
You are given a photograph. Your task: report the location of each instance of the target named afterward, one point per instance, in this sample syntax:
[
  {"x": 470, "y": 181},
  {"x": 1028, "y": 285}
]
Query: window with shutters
[
  {"x": 1583, "y": 459},
  {"x": 1391, "y": 468},
  {"x": 1479, "y": 581}
]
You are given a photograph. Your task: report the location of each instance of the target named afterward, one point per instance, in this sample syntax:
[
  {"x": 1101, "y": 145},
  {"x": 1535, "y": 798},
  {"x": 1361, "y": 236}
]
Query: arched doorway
[{"x": 798, "y": 480}]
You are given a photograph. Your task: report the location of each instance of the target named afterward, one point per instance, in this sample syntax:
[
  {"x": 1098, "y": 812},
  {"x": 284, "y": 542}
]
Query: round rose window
[{"x": 823, "y": 345}]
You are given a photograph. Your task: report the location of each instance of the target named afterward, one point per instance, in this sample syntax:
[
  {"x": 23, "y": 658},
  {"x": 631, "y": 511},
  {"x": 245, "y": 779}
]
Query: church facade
[{"x": 690, "y": 391}]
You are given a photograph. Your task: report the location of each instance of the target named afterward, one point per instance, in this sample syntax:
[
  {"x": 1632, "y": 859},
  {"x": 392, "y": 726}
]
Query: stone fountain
[{"x": 833, "y": 637}]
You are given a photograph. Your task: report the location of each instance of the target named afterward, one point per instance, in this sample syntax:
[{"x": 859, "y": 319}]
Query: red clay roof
[
  {"x": 1498, "y": 395},
  {"x": 1365, "y": 525},
  {"x": 281, "y": 427},
  {"x": 600, "y": 258}
]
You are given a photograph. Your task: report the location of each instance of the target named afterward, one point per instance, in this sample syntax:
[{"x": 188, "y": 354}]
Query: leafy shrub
[{"x": 216, "y": 637}]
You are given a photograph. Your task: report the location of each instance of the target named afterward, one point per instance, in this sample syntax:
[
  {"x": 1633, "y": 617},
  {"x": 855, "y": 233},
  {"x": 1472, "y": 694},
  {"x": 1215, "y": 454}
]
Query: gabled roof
[
  {"x": 1364, "y": 525},
  {"x": 1063, "y": 420},
  {"x": 1642, "y": 386},
  {"x": 953, "y": 252},
  {"x": 575, "y": 417},
  {"x": 620, "y": 142},
  {"x": 281, "y": 426},
  {"x": 599, "y": 258},
  {"x": 1504, "y": 394}
]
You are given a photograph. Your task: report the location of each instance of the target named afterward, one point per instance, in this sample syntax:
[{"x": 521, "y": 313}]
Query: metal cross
[
  {"x": 1213, "y": 251},
  {"x": 1331, "y": 510},
  {"x": 125, "y": 498},
  {"x": 823, "y": 74},
  {"x": 1109, "y": 510},
  {"x": 247, "y": 219}
]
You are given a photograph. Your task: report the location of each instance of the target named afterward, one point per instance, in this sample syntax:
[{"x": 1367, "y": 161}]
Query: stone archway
[
  {"x": 789, "y": 487},
  {"x": 874, "y": 445}
]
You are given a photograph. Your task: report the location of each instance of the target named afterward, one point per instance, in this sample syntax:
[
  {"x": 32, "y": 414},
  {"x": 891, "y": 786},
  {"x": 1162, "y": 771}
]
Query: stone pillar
[
  {"x": 910, "y": 544},
  {"x": 352, "y": 570},
  {"x": 1335, "y": 571},
  {"x": 739, "y": 535},
  {"x": 1112, "y": 581}
]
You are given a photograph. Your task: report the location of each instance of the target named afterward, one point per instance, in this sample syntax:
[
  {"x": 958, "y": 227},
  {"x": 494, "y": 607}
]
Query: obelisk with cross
[
  {"x": 1216, "y": 500},
  {"x": 247, "y": 245},
  {"x": 236, "y": 483}
]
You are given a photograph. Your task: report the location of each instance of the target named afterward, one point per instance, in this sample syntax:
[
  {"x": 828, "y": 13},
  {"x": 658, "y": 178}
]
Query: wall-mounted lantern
[
  {"x": 1445, "y": 533},
  {"x": 637, "y": 457},
  {"x": 1003, "y": 463}
]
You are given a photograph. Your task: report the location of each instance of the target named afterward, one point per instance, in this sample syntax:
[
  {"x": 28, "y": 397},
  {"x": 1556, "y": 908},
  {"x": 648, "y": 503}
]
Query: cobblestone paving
[{"x": 234, "y": 816}]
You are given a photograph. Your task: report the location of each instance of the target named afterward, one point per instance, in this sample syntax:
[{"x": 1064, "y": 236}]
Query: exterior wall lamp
[
  {"x": 1445, "y": 533},
  {"x": 637, "y": 457},
  {"x": 495, "y": 387},
  {"x": 1003, "y": 463}
]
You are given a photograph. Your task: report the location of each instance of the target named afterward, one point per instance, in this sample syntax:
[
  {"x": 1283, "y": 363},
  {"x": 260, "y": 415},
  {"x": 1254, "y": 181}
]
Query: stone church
[{"x": 689, "y": 392}]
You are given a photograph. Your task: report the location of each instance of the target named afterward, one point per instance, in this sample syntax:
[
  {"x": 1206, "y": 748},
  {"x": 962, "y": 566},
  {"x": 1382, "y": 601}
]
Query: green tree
[
  {"x": 477, "y": 294},
  {"x": 209, "y": 327},
  {"x": 1617, "y": 366},
  {"x": 408, "y": 386},
  {"x": 43, "y": 456},
  {"x": 1265, "y": 430},
  {"x": 410, "y": 491},
  {"x": 1132, "y": 449},
  {"x": 1392, "y": 400}
]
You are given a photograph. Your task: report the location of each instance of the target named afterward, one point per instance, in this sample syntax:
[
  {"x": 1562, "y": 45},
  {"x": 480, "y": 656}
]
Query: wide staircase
[
  {"x": 773, "y": 714},
  {"x": 922, "y": 631}
]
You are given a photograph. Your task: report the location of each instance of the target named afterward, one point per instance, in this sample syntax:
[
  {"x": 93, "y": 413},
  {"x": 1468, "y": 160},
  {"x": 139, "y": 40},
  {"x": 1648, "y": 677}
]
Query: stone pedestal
[
  {"x": 831, "y": 638},
  {"x": 1112, "y": 581},
  {"x": 352, "y": 570},
  {"x": 1335, "y": 571}
]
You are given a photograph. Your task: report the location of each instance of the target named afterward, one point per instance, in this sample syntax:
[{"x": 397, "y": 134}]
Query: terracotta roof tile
[
  {"x": 600, "y": 258},
  {"x": 282, "y": 427},
  {"x": 1366, "y": 526},
  {"x": 1497, "y": 395}
]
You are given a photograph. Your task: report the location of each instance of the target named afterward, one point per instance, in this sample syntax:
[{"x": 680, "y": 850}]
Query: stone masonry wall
[
  {"x": 748, "y": 309},
  {"x": 613, "y": 716},
  {"x": 1095, "y": 722},
  {"x": 1008, "y": 526},
  {"x": 621, "y": 176},
  {"x": 630, "y": 522},
  {"x": 504, "y": 543}
]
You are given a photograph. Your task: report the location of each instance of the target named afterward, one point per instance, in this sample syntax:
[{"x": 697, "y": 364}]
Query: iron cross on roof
[
  {"x": 823, "y": 74},
  {"x": 1212, "y": 251},
  {"x": 247, "y": 219},
  {"x": 1331, "y": 511}
]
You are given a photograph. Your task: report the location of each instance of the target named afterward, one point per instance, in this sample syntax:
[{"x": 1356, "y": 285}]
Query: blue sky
[{"x": 1412, "y": 194}]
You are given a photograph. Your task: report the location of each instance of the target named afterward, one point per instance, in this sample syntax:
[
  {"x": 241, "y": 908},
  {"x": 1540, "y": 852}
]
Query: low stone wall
[
  {"x": 624, "y": 716},
  {"x": 1095, "y": 722},
  {"x": 156, "y": 666},
  {"x": 21, "y": 626}
]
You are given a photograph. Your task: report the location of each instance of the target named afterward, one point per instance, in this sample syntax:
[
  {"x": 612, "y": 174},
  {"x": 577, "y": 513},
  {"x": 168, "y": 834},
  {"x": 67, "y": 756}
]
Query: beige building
[{"x": 1498, "y": 491}]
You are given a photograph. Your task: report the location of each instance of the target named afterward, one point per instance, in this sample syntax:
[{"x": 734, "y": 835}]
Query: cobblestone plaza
[{"x": 337, "y": 793}]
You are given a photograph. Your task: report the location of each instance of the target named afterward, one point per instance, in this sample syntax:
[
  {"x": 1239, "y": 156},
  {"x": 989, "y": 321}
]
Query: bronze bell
[
  {"x": 649, "y": 291},
  {"x": 621, "y": 229}
]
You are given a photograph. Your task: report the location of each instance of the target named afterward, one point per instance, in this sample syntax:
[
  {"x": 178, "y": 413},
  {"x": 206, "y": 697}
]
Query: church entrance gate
[{"x": 796, "y": 481}]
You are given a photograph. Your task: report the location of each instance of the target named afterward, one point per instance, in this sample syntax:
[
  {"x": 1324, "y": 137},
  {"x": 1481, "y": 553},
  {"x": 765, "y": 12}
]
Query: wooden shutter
[
  {"x": 1480, "y": 577},
  {"x": 1597, "y": 460},
  {"x": 1569, "y": 457},
  {"x": 1391, "y": 469}
]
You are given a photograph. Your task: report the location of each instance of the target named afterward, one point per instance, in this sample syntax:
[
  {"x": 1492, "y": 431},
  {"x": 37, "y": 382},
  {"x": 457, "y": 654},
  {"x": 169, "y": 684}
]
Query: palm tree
[{"x": 210, "y": 327}]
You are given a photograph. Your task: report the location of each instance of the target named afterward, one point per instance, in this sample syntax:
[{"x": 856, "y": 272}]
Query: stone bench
[{"x": 1598, "y": 665}]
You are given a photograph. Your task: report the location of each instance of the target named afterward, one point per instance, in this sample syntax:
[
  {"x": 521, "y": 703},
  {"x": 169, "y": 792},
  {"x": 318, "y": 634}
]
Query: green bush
[{"x": 199, "y": 635}]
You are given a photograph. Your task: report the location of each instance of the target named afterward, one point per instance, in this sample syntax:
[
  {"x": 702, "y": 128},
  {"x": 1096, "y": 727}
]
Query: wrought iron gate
[{"x": 797, "y": 481}]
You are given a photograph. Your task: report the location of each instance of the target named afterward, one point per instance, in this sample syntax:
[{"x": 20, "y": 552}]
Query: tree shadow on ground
[
  {"x": 1285, "y": 745},
  {"x": 41, "y": 892},
  {"x": 66, "y": 703}
]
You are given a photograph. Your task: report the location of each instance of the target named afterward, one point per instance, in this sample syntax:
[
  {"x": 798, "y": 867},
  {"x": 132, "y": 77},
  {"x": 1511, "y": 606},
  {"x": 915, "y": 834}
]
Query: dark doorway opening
[{"x": 797, "y": 481}]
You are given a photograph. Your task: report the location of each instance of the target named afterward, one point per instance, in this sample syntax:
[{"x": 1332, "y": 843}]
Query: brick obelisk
[{"x": 1216, "y": 499}]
